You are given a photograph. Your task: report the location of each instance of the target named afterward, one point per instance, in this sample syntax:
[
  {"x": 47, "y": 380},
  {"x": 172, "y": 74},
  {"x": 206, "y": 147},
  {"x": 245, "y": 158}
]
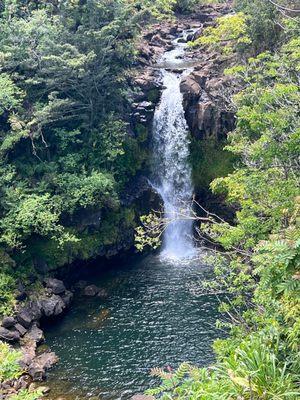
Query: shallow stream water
[{"x": 155, "y": 316}]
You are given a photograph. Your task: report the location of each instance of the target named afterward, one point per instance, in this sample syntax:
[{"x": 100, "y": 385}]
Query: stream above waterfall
[{"x": 155, "y": 316}]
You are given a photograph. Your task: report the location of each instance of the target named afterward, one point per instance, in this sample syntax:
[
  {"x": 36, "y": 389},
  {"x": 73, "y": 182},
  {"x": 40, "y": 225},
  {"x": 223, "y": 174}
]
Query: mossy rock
[{"x": 209, "y": 161}]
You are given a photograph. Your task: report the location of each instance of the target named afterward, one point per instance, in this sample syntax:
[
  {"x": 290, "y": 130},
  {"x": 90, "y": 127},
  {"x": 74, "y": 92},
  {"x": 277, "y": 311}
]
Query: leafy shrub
[
  {"x": 230, "y": 34},
  {"x": 9, "y": 362},
  {"x": 24, "y": 394}
]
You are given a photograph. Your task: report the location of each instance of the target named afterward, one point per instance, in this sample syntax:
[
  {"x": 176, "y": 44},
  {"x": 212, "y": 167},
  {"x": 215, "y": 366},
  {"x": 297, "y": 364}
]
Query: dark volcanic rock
[
  {"x": 37, "y": 369},
  {"x": 25, "y": 317},
  {"x": 10, "y": 336},
  {"x": 8, "y": 322},
  {"x": 56, "y": 286},
  {"x": 91, "y": 290},
  {"x": 52, "y": 306},
  {"x": 190, "y": 88},
  {"x": 20, "y": 328},
  {"x": 35, "y": 334},
  {"x": 67, "y": 298}
]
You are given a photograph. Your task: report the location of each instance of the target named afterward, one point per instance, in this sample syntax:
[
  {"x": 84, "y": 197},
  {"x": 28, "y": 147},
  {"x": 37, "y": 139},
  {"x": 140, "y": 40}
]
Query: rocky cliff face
[
  {"x": 206, "y": 95},
  {"x": 206, "y": 90}
]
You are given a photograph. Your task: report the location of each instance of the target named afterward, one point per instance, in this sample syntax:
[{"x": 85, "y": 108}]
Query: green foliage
[
  {"x": 63, "y": 81},
  {"x": 7, "y": 287},
  {"x": 149, "y": 232},
  {"x": 263, "y": 27},
  {"x": 10, "y": 369},
  {"x": 250, "y": 371},
  {"x": 9, "y": 362},
  {"x": 229, "y": 35},
  {"x": 24, "y": 394},
  {"x": 209, "y": 161}
]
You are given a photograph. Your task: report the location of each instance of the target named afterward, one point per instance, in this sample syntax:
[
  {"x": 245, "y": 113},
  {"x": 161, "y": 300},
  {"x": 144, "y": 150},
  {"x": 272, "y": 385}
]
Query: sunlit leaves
[{"x": 229, "y": 35}]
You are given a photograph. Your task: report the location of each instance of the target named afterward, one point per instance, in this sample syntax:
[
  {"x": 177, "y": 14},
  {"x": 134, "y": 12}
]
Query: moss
[
  {"x": 111, "y": 232},
  {"x": 141, "y": 132},
  {"x": 153, "y": 95},
  {"x": 209, "y": 160}
]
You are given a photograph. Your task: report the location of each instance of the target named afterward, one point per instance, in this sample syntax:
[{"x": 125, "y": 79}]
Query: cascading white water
[{"x": 172, "y": 172}]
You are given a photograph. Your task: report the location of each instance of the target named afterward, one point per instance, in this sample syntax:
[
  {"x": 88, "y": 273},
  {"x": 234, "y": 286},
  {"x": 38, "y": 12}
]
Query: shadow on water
[{"x": 153, "y": 317}]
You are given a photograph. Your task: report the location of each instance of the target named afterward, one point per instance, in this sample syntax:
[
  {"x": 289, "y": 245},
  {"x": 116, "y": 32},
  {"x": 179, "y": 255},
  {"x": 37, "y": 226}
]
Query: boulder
[
  {"x": 157, "y": 41},
  {"x": 189, "y": 87},
  {"x": 205, "y": 117},
  {"x": 10, "y": 336},
  {"x": 67, "y": 298},
  {"x": 198, "y": 33},
  {"x": 55, "y": 285},
  {"x": 52, "y": 306},
  {"x": 28, "y": 347},
  {"x": 25, "y": 317},
  {"x": 201, "y": 77},
  {"x": 8, "y": 322},
  {"x": 37, "y": 369},
  {"x": 35, "y": 334},
  {"x": 20, "y": 328},
  {"x": 91, "y": 290}
]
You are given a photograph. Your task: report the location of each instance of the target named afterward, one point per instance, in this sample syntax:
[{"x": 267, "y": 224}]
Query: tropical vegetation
[{"x": 66, "y": 148}]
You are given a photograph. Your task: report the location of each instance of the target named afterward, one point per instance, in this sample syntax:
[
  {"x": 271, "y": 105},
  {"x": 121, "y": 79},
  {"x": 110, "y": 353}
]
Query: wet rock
[
  {"x": 24, "y": 381},
  {"x": 10, "y": 336},
  {"x": 189, "y": 88},
  {"x": 40, "y": 364},
  {"x": 52, "y": 306},
  {"x": 35, "y": 334},
  {"x": 25, "y": 317},
  {"x": 80, "y": 285},
  {"x": 28, "y": 348},
  {"x": 20, "y": 328},
  {"x": 67, "y": 298},
  {"x": 198, "y": 33},
  {"x": 91, "y": 290},
  {"x": 8, "y": 322},
  {"x": 55, "y": 285},
  {"x": 35, "y": 387},
  {"x": 157, "y": 40},
  {"x": 142, "y": 397},
  {"x": 103, "y": 293}
]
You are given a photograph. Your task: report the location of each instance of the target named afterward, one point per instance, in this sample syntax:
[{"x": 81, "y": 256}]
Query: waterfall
[{"x": 171, "y": 171}]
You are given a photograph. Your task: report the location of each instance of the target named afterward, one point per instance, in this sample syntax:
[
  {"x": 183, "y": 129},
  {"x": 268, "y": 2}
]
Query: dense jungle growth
[{"x": 67, "y": 148}]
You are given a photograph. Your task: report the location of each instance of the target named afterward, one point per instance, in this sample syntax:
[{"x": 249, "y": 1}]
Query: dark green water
[{"x": 155, "y": 316}]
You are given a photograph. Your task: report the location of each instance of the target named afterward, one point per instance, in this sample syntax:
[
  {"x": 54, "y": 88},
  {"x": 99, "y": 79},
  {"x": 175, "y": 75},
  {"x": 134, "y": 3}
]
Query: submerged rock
[{"x": 91, "y": 290}]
